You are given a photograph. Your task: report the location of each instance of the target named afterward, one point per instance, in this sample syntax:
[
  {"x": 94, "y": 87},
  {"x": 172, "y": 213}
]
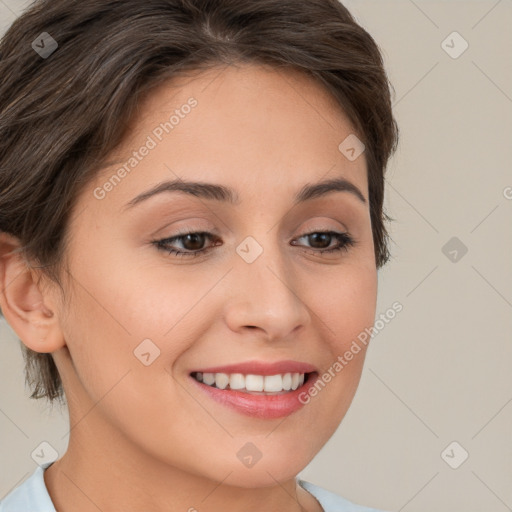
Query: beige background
[{"x": 440, "y": 371}]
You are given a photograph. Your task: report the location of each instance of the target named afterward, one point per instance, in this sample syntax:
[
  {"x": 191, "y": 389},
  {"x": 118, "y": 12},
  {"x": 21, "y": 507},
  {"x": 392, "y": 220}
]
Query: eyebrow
[{"x": 228, "y": 195}]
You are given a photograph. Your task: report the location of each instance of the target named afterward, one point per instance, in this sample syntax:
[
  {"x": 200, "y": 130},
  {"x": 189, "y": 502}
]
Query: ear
[{"x": 30, "y": 313}]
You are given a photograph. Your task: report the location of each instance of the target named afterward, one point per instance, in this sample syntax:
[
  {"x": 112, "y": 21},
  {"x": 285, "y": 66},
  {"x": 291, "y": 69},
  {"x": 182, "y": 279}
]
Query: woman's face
[{"x": 140, "y": 320}]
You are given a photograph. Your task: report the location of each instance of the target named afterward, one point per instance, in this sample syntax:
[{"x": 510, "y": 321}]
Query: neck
[{"x": 103, "y": 470}]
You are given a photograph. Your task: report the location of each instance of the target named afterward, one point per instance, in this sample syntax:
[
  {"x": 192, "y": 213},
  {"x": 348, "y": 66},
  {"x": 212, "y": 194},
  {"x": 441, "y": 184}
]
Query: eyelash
[{"x": 345, "y": 241}]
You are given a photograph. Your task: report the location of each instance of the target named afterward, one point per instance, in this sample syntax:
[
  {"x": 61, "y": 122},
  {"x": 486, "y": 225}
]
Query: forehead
[
  {"x": 229, "y": 87},
  {"x": 251, "y": 127}
]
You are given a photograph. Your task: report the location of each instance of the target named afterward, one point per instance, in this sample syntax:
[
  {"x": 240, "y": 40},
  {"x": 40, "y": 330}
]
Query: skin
[{"x": 144, "y": 437}]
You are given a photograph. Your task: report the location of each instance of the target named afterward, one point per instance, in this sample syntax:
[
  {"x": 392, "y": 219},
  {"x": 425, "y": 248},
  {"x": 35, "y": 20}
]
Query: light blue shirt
[{"x": 32, "y": 496}]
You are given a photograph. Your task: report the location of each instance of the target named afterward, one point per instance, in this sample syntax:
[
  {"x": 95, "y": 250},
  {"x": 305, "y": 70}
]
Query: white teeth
[
  {"x": 273, "y": 383},
  {"x": 221, "y": 380},
  {"x": 209, "y": 378},
  {"x": 236, "y": 381},
  {"x": 253, "y": 383}
]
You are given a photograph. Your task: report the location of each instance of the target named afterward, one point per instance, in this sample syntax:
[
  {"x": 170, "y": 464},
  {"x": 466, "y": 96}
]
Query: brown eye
[
  {"x": 192, "y": 244},
  {"x": 321, "y": 240},
  {"x": 193, "y": 241}
]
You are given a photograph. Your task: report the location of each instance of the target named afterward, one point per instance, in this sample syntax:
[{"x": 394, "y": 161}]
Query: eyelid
[
  {"x": 208, "y": 227},
  {"x": 186, "y": 229},
  {"x": 324, "y": 226}
]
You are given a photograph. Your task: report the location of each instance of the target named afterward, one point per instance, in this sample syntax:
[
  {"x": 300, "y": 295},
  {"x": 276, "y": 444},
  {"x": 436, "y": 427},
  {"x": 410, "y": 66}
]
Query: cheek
[
  {"x": 346, "y": 311},
  {"x": 346, "y": 304},
  {"x": 130, "y": 321}
]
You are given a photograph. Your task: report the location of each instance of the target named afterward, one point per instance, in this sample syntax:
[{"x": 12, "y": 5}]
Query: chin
[
  {"x": 265, "y": 471},
  {"x": 261, "y": 476}
]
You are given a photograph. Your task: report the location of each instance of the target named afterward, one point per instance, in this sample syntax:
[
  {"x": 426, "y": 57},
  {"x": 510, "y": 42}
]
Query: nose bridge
[{"x": 265, "y": 296}]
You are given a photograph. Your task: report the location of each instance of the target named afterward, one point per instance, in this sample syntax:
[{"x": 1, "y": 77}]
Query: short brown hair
[{"x": 60, "y": 116}]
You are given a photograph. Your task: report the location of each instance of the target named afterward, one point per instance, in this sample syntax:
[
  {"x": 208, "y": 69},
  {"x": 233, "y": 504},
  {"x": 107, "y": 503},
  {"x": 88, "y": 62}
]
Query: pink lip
[
  {"x": 261, "y": 368},
  {"x": 260, "y": 405}
]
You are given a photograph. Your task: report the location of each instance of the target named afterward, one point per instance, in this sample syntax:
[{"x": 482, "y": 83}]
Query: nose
[{"x": 266, "y": 296}]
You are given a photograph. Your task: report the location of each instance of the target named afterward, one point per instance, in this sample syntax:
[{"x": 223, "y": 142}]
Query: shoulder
[
  {"x": 332, "y": 502},
  {"x": 29, "y": 495}
]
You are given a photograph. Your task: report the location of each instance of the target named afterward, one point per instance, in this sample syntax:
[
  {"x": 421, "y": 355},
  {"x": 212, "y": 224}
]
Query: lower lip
[{"x": 259, "y": 406}]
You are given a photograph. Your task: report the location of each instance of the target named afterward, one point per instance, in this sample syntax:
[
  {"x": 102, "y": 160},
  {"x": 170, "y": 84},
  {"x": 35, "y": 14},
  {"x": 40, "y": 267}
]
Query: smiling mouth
[{"x": 254, "y": 384}]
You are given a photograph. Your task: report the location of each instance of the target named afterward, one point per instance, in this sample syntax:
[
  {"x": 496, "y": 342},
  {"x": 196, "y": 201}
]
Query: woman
[{"x": 192, "y": 223}]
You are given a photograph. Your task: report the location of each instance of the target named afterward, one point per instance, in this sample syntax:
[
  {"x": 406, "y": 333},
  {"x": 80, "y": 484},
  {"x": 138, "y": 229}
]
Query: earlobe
[{"x": 27, "y": 310}]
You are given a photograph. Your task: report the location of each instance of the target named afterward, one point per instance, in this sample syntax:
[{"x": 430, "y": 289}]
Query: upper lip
[{"x": 261, "y": 368}]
